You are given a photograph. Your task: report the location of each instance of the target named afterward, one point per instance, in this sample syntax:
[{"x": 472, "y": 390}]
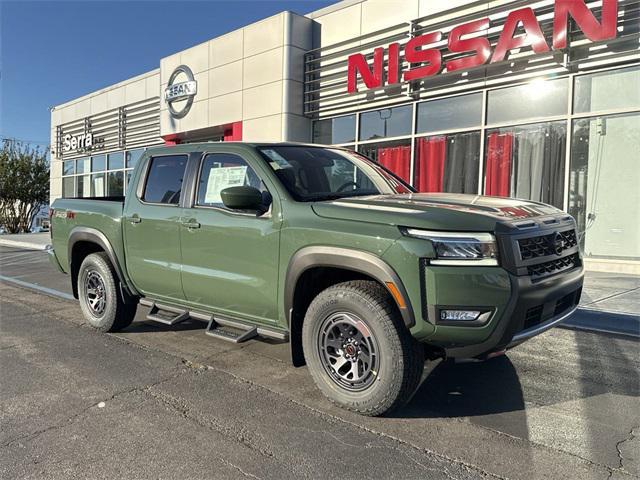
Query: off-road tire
[
  {"x": 115, "y": 314},
  {"x": 401, "y": 358}
]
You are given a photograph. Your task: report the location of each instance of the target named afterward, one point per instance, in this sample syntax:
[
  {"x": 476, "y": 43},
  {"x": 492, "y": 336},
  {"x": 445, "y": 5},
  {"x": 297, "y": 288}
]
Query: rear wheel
[
  {"x": 359, "y": 352},
  {"x": 100, "y": 299}
]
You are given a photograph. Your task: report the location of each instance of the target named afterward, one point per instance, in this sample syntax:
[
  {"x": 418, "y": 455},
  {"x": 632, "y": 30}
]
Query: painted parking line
[{"x": 40, "y": 288}]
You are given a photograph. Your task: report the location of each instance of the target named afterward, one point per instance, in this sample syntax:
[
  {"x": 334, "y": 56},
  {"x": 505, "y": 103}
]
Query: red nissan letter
[
  {"x": 357, "y": 63},
  {"x": 533, "y": 35},
  {"x": 587, "y": 22},
  {"x": 393, "y": 67},
  {"x": 432, "y": 56},
  {"x": 479, "y": 45}
]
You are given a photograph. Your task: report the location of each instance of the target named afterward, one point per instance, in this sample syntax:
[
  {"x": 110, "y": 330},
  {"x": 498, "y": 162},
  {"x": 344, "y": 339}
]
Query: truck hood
[{"x": 438, "y": 211}]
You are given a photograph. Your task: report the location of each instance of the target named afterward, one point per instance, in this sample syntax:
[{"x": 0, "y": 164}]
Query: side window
[
  {"x": 224, "y": 170},
  {"x": 164, "y": 180}
]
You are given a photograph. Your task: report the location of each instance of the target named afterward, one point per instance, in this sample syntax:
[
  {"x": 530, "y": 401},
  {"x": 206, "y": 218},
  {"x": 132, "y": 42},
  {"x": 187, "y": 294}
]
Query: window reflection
[
  {"x": 540, "y": 98},
  {"x": 450, "y": 113},
  {"x": 335, "y": 130},
  {"x": 594, "y": 92},
  {"x": 603, "y": 184},
  {"x": 386, "y": 122}
]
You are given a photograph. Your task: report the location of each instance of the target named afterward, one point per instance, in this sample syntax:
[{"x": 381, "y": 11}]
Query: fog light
[{"x": 459, "y": 315}]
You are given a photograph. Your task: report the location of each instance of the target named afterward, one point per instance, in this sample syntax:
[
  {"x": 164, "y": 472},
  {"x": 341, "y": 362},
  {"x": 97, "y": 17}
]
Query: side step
[
  {"x": 231, "y": 332},
  {"x": 221, "y": 327},
  {"x": 166, "y": 315}
]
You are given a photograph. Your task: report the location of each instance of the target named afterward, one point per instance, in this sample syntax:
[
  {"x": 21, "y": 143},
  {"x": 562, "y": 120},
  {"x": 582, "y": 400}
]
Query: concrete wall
[
  {"x": 349, "y": 19},
  {"x": 253, "y": 75}
]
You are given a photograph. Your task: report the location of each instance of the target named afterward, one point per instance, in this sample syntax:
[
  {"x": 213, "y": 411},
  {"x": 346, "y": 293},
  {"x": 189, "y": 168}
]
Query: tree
[{"x": 24, "y": 185}]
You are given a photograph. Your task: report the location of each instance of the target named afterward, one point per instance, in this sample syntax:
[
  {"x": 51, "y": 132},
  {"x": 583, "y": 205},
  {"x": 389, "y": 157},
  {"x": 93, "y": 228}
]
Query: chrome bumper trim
[{"x": 540, "y": 328}]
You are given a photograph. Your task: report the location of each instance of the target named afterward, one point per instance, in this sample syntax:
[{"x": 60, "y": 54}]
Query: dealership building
[{"x": 530, "y": 99}]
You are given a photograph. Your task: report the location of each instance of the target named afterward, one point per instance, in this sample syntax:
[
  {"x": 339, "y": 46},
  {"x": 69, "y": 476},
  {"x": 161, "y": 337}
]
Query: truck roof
[{"x": 197, "y": 145}]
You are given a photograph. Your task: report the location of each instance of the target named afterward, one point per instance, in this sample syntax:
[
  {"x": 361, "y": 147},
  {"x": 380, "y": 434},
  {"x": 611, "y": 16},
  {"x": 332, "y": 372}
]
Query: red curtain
[
  {"x": 430, "y": 164},
  {"x": 396, "y": 159},
  {"x": 499, "y": 151}
]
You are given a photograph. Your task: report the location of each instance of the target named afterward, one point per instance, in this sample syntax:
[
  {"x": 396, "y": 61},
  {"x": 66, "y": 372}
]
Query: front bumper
[
  {"x": 533, "y": 308},
  {"x": 53, "y": 259}
]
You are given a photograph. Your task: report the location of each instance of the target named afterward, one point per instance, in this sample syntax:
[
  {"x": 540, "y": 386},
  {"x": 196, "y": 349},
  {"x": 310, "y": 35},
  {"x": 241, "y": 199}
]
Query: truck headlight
[{"x": 459, "y": 248}]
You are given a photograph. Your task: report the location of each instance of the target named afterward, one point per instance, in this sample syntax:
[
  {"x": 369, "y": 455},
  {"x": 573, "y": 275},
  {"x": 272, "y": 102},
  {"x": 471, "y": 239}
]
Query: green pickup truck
[{"x": 325, "y": 249}]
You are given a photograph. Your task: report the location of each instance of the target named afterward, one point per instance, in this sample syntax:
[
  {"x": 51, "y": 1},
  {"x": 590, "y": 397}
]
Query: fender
[
  {"x": 355, "y": 260},
  {"x": 87, "y": 234}
]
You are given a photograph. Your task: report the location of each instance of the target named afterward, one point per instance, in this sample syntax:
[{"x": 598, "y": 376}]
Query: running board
[
  {"x": 223, "y": 327},
  {"x": 231, "y": 331},
  {"x": 167, "y": 315}
]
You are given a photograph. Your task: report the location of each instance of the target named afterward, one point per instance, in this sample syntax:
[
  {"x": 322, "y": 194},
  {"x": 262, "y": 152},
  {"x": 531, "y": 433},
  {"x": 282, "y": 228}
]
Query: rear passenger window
[
  {"x": 164, "y": 180},
  {"x": 223, "y": 170}
]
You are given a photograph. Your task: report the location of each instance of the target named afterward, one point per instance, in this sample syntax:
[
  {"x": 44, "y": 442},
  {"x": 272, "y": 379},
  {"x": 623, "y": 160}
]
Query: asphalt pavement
[{"x": 170, "y": 402}]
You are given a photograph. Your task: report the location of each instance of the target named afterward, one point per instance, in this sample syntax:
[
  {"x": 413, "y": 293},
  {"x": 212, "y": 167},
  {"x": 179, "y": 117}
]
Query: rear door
[
  {"x": 152, "y": 227},
  {"x": 230, "y": 258}
]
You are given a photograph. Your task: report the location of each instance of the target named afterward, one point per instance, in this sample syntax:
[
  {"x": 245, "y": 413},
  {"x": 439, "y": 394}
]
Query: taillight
[{"x": 51, "y": 211}]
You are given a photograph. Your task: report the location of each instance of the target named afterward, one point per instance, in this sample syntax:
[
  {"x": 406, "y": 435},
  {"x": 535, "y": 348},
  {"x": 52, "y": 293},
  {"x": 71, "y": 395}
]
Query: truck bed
[{"x": 103, "y": 214}]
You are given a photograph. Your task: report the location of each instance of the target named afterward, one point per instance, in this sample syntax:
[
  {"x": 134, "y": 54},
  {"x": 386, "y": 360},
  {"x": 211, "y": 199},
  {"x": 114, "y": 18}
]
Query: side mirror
[{"x": 242, "y": 198}]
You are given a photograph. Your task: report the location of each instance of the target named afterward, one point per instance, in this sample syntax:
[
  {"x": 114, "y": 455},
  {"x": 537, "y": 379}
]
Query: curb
[
  {"x": 19, "y": 244},
  {"x": 617, "y": 323}
]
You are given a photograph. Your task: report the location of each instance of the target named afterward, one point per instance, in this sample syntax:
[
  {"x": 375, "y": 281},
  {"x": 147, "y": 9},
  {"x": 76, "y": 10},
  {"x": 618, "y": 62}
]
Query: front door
[
  {"x": 230, "y": 258},
  {"x": 152, "y": 228}
]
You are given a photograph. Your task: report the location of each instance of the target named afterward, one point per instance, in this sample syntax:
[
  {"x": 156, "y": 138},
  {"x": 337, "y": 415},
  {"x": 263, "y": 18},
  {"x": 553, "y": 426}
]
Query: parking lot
[{"x": 170, "y": 402}]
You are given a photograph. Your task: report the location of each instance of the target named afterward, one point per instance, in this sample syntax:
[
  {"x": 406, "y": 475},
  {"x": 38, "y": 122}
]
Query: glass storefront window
[
  {"x": 68, "y": 167},
  {"x": 128, "y": 174},
  {"x": 335, "y": 130},
  {"x": 115, "y": 184},
  {"x": 448, "y": 163},
  {"x": 607, "y": 90},
  {"x": 68, "y": 187},
  {"x": 603, "y": 185},
  {"x": 540, "y": 98},
  {"x": 84, "y": 186},
  {"x": 116, "y": 160},
  {"x": 450, "y": 113},
  {"x": 98, "y": 163},
  {"x": 97, "y": 185},
  {"x": 527, "y": 162},
  {"x": 395, "y": 156},
  {"x": 83, "y": 165},
  {"x": 387, "y": 122},
  {"x": 133, "y": 156}
]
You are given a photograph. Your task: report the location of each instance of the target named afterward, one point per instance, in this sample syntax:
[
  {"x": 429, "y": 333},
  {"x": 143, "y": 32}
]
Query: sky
[{"x": 54, "y": 51}]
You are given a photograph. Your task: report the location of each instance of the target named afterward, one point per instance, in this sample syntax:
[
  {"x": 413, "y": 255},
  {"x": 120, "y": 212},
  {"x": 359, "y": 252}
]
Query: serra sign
[{"x": 427, "y": 62}]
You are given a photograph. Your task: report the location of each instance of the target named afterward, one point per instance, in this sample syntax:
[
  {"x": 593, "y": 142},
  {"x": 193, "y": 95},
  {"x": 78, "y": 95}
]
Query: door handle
[
  {"x": 191, "y": 224},
  {"x": 135, "y": 218}
]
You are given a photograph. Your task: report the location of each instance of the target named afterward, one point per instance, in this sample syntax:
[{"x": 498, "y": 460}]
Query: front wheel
[
  {"x": 358, "y": 351},
  {"x": 100, "y": 300}
]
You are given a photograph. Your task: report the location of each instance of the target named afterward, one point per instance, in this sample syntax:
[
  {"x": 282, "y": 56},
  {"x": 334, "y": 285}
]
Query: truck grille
[
  {"x": 554, "y": 266},
  {"x": 545, "y": 245}
]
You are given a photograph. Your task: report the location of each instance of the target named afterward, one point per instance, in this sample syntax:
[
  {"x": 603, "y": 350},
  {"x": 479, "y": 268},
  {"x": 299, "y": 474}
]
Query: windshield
[{"x": 315, "y": 173}]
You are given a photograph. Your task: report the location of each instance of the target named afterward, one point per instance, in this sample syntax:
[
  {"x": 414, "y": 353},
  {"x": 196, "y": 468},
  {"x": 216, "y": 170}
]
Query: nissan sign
[
  {"x": 470, "y": 39},
  {"x": 179, "y": 94}
]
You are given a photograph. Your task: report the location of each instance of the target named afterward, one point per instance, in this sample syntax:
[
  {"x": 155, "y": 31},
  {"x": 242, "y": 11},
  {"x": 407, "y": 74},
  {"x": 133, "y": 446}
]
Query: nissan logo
[
  {"x": 557, "y": 243},
  {"x": 179, "y": 95}
]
